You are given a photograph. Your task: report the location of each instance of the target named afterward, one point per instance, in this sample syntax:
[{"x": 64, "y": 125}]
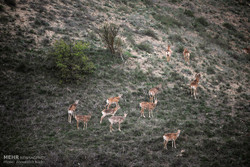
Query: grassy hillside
[{"x": 33, "y": 102}]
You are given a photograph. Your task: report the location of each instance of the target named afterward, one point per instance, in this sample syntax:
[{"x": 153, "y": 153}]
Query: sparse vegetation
[{"x": 33, "y": 103}]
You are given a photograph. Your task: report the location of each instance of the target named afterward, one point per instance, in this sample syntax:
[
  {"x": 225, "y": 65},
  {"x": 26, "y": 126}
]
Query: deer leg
[
  {"x": 166, "y": 144},
  {"x": 110, "y": 128},
  {"x": 142, "y": 113},
  {"x": 195, "y": 93},
  {"x": 119, "y": 127},
  {"x": 68, "y": 118},
  {"x": 77, "y": 125},
  {"x": 86, "y": 125},
  {"x": 102, "y": 118},
  {"x": 174, "y": 144}
]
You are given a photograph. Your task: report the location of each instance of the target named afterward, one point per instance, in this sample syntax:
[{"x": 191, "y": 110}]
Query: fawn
[
  {"x": 112, "y": 100},
  {"x": 171, "y": 137},
  {"x": 194, "y": 84},
  {"x": 116, "y": 119},
  {"x": 186, "y": 55},
  {"x": 110, "y": 111},
  {"x": 147, "y": 105},
  {"x": 154, "y": 91},
  {"x": 82, "y": 118},
  {"x": 168, "y": 53},
  {"x": 71, "y": 110}
]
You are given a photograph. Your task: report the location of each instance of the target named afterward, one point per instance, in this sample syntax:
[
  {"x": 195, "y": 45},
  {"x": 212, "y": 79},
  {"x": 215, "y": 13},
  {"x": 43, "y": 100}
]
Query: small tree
[
  {"x": 69, "y": 60},
  {"x": 108, "y": 33}
]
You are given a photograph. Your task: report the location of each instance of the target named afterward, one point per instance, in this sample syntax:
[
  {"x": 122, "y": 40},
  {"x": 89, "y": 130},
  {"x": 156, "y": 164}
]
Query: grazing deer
[
  {"x": 110, "y": 111},
  {"x": 71, "y": 110},
  {"x": 112, "y": 100},
  {"x": 194, "y": 84},
  {"x": 147, "y": 105},
  {"x": 116, "y": 119},
  {"x": 171, "y": 137},
  {"x": 82, "y": 118},
  {"x": 186, "y": 55},
  {"x": 168, "y": 53},
  {"x": 154, "y": 91}
]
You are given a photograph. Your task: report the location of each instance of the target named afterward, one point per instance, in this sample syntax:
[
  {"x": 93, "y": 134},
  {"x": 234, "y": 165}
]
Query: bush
[
  {"x": 189, "y": 13},
  {"x": 69, "y": 60},
  {"x": 202, "y": 21},
  {"x": 108, "y": 33},
  {"x": 150, "y": 33},
  {"x": 210, "y": 70},
  {"x": 145, "y": 46},
  {"x": 229, "y": 26},
  {"x": 11, "y": 3}
]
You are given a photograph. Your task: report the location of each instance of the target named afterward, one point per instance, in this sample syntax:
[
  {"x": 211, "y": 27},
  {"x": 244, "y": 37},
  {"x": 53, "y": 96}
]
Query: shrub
[
  {"x": 11, "y": 3},
  {"x": 69, "y": 60},
  {"x": 150, "y": 33},
  {"x": 202, "y": 21},
  {"x": 189, "y": 13},
  {"x": 167, "y": 20},
  {"x": 229, "y": 26},
  {"x": 108, "y": 33},
  {"x": 210, "y": 70},
  {"x": 145, "y": 46}
]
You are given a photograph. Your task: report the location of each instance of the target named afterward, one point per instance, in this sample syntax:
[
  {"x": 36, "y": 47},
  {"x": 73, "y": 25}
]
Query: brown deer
[
  {"x": 112, "y": 100},
  {"x": 168, "y": 53},
  {"x": 110, "y": 111},
  {"x": 82, "y": 118},
  {"x": 148, "y": 105},
  {"x": 116, "y": 119},
  {"x": 171, "y": 137},
  {"x": 186, "y": 55},
  {"x": 194, "y": 85},
  {"x": 154, "y": 91},
  {"x": 71, "y": 110}
]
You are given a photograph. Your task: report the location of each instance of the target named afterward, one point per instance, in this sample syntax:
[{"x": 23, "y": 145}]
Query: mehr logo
[{"x": 11, "y": 157}]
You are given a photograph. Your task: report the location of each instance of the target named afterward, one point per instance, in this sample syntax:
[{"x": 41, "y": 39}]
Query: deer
[
  {"x": 168, "y": 53},
  {"x": 154, "y": 91},
  {"x": 112, "y": 100},
  {"x": 194, "y": 85},
  {"x": 110, "y": 111},
  {"x": 171, "y": 137},
  {"x": 147, "y": 105},
  {"x": 186, "y": 55},
  {"x": 116, "y": 119},
  {"x": 82, "y": 118},
  {"x": 71, "y": 110}
]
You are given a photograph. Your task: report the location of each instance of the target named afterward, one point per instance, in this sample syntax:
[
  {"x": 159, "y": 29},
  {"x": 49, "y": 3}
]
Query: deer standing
[
  {"x": 116, "y": 119},
  {"x": 168, "y": 53},
  {"x": 71, "y": 110},
  {"x": 153, "y": 92},
  {"x": 194, "y": 85},
  {"x": 171, "y": 137},
  {"x": 82, "y": 118},
  {"x": 147, "y": 105},
  {"x": 112, "y": 100},
  {"x": 186, "y": 55},
  {"x": 110, "y": 111}
]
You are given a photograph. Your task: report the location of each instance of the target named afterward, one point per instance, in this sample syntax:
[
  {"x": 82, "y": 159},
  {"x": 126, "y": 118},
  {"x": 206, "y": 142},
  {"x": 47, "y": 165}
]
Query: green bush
[
  {"x": 69, "y": 60},
  {"x": 150, "y": 33},
  {"x": 229, "y": 26},
  {"x": 189, "y": 13},
  {"x": 202, "y": 21},
  {"x": 145, "y": 46}
]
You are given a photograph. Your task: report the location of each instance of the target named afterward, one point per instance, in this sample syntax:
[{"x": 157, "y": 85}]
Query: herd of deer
[{"x": 150, "y": 106}]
